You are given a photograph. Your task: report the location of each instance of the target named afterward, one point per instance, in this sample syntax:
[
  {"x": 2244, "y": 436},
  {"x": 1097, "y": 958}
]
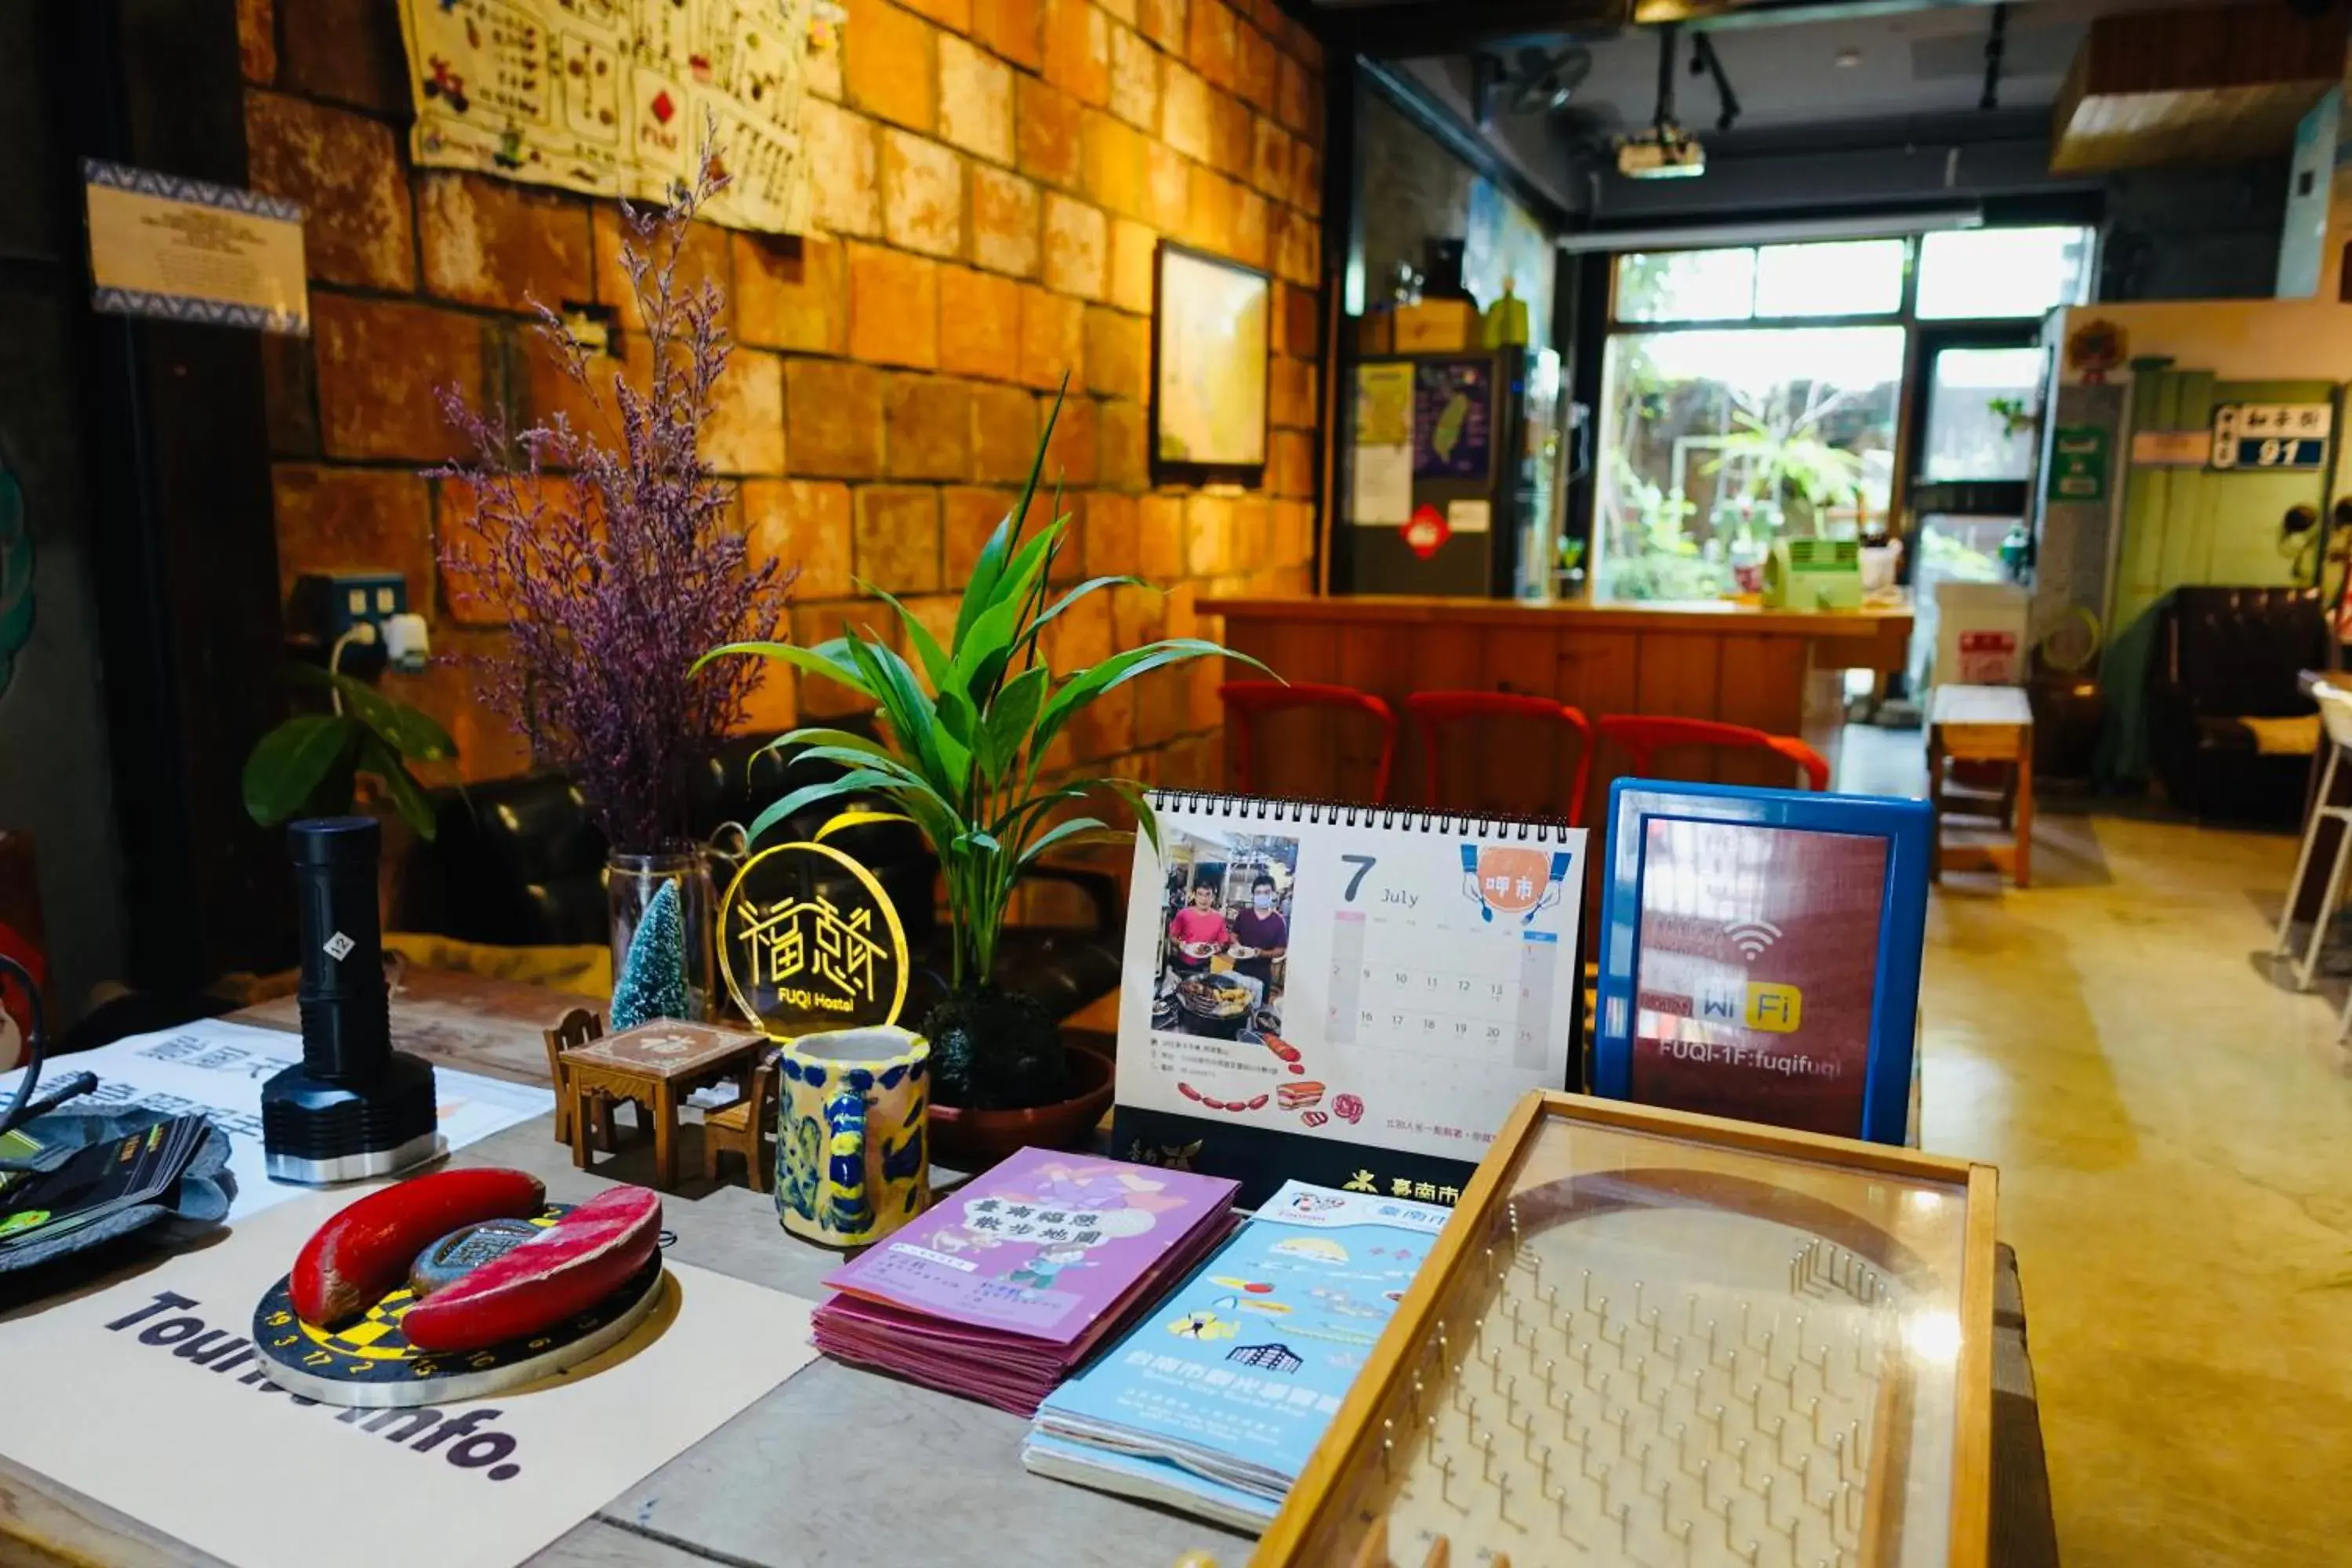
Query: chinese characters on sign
[
  {"x": 793, "y": 939},
  {"x": 807, "y": 937},
  {"x": 2271, "y": 435}
]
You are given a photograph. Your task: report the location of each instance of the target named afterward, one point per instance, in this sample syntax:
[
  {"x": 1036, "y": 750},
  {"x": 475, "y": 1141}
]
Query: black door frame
[{"x": 192, "y": 630}]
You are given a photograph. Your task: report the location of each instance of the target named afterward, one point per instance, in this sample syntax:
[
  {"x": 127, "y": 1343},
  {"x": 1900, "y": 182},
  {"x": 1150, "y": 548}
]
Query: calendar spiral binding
[{"x": 1346, "y": 813}]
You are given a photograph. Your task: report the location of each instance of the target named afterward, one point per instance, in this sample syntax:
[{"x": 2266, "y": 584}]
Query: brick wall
[{"x": 992, "y": 178}]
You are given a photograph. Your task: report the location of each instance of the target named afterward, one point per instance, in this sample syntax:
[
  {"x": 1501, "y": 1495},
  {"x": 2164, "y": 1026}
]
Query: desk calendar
[{"x": 1343, "y": 995}]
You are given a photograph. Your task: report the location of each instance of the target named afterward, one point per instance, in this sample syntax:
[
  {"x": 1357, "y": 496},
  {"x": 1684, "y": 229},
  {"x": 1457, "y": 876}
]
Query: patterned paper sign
[{"x": 614, "y": 97}]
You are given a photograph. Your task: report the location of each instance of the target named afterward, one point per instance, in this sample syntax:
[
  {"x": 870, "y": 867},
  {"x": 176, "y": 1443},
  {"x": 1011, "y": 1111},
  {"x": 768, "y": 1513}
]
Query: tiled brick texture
[{"x": 995, "y": 178}]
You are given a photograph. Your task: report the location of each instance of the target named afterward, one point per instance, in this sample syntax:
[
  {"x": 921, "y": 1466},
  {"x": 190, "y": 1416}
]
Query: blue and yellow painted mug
[{"x": 852, "y": 1164}]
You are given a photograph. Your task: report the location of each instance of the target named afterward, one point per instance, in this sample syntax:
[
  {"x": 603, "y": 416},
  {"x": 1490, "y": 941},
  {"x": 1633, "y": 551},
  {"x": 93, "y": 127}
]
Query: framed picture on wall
[{"x": 1211, "y": 321}]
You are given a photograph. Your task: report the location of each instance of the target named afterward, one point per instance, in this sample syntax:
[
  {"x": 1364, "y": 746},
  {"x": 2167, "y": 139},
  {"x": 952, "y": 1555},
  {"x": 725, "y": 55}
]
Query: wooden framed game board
[{"x": 1659, "y": 1339}]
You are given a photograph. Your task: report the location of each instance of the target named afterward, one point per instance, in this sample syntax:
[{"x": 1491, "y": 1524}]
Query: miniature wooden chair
[
  {"x": 577, "y": 1028},
  {"x": 745, "y": 1128}
]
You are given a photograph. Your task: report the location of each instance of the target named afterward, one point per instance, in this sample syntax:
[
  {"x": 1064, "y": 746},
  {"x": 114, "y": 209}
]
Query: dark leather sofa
[
  {"x": 2222, "y": 655},
  {"x": 516, "y": 862}
]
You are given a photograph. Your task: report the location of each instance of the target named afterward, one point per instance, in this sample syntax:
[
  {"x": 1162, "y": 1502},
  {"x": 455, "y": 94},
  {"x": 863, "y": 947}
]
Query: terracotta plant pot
[{"x": 975, "y": 1140}]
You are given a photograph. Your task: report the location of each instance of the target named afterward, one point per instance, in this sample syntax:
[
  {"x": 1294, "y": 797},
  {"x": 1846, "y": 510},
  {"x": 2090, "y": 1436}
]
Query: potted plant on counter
[
  {"x": 618, "y": 553},
  {"x": 970, "y": 725}
]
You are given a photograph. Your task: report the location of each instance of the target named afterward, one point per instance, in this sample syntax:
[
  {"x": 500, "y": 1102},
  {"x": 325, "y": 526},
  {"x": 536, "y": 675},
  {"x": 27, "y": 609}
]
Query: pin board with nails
[{"x": 1662, "y": 1340}]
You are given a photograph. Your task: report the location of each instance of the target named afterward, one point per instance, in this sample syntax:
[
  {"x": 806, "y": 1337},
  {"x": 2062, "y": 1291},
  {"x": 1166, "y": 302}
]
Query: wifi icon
[{"x": 1752, "y": 937}]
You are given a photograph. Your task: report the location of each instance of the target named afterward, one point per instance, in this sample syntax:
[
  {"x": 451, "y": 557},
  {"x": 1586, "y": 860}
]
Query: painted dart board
[{"x": 370, "y": 1363}]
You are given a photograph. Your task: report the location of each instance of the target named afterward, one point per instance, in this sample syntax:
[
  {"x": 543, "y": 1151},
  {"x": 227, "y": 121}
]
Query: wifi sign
[{"x": 1752, "y": 937}]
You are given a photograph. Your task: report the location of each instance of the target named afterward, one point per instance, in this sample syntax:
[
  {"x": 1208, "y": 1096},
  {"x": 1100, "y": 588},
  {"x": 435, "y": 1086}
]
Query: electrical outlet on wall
[{"x": 352, "y": 609}]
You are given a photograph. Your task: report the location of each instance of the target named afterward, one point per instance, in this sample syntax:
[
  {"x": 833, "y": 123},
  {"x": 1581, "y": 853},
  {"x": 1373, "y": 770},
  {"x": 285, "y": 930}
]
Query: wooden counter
[{"x": 1776, "y": 670}]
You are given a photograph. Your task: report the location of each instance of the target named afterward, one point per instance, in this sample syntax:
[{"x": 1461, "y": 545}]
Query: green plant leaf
[
  {"x": 853, "y": 759},
  {"x": 857, "y": 782},
  {"x": 408, "y": 797},
  {"x": 1091, "y": 829},
  {"x": 829, "y": 659},
  {"x": 1146, "y": 821},
  {"x": 1010, "y": 719},
  {"x": 407, "y": 731},
  {"x": 1118, "y": 670},
  {"x": 982, "y": 654},
  {"x": 957, "y": 717},
  {"x": 1091, "y": 585},
  {"x": 288, "y": 763},
  {"x": 912, "y": 721},
  {"x": 926, "y": 647},
  {"x": 845, "y": 740},
  {"x": 982, "y": 591}
]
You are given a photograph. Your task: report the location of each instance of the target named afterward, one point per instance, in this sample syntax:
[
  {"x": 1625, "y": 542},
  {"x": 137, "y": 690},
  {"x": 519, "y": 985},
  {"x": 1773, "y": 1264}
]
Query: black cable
[
  {"x": 1666, "y": 76},
  {"x": 1704, "y": 57},
  {"x": 1995, "y": 43}
]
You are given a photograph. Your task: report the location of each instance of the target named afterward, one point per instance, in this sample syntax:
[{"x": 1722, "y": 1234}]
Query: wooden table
[
  {"x": 1983, "y": 724},
  {"x": 657, "y": 1065},
  {"x": 816, "y": 1472}
]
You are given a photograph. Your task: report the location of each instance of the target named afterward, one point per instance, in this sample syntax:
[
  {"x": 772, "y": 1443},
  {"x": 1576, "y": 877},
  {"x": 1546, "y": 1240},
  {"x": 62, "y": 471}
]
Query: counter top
[{"x": 1710, "y": 616}]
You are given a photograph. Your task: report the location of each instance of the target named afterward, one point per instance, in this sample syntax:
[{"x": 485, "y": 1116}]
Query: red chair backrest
[
  {"x": 1247, "y": 701},
  {"x": 1643, "y": 734},
  {"x": 1431, "y": 710}
]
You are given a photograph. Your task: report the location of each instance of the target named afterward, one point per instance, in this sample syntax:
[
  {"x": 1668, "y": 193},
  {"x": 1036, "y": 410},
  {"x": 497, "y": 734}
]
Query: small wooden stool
[{"x": 1983, "y": 724}]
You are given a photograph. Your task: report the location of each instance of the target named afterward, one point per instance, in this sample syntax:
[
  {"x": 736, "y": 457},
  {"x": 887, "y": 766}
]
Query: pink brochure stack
[{"x": 1007, "y": 1285}]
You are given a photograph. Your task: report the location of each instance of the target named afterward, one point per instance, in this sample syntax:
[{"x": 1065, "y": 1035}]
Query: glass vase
[{"x": 633, "y": 881}]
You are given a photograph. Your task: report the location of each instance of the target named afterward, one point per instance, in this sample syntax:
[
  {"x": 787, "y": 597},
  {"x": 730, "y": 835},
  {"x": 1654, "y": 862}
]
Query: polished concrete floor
[{"x": 2174, "y": 1131}]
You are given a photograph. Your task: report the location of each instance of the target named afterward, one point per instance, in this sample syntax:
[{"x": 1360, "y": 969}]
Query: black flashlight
[{"x": 354, "y": 1107}]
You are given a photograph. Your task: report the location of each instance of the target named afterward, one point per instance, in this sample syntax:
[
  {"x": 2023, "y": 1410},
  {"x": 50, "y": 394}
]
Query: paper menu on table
[
  {"x": 1384, "y": 979},
  {"x": 1041, "y": 1246},
  {"x": 217, "y": 1069},
  {"x": 1249, "y": 1359}
]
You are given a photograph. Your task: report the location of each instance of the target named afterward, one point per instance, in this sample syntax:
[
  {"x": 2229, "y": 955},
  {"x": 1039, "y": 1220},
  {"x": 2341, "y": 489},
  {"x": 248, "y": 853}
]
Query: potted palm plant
[{"x": 969, "y": 726}]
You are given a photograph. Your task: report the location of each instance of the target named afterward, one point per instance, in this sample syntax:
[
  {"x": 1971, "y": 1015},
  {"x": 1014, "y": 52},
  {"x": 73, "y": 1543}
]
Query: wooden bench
[{"x": 1983, "y": 724}]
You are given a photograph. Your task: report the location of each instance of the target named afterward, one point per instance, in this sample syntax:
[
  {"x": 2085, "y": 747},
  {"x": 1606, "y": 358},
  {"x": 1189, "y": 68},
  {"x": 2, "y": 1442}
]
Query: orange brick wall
[{"x": 992, "y": 178}]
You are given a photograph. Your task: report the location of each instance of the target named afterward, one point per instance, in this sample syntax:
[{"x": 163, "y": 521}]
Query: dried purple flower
[{"x": 616, "y": 553}]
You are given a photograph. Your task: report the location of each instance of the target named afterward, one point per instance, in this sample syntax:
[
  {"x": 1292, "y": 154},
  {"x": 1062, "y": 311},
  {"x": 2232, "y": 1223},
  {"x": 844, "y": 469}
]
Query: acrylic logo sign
[{"x": 808, "y": 940}]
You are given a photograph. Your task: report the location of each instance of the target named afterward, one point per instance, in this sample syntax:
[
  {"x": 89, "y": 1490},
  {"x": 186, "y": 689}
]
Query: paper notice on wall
[
  {"x": 1383, "y": 487},
  {"x": 1469, "y": 516},
  {"x": 218, "y": 1069},
  {"x": 1384, "y": 404},
  {"x": 197, "y": 1444},
  {"x": 183, "y": 250}
]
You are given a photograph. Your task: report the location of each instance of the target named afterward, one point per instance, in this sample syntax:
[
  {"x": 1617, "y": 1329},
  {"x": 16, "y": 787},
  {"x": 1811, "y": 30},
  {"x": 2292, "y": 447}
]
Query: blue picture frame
[{"x": 1904, "y": 825}]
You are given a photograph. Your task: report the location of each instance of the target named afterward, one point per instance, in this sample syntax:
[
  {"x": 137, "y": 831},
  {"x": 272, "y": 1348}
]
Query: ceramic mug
[{"x": 852, "y": 1164}]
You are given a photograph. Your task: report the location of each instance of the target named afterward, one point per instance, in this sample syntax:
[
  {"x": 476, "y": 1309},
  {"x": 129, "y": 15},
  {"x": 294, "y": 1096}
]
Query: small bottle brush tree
[
  {"x": 967, "y": 737},
  {"x": 620, "y": 574},
  {"x": 652, "y": 981}
]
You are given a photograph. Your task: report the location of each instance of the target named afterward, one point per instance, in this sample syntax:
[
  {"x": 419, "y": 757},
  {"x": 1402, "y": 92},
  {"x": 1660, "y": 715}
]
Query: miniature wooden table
[
  {"x": 1983, "y": 724},
  {"x": 657, "y": 1065}
]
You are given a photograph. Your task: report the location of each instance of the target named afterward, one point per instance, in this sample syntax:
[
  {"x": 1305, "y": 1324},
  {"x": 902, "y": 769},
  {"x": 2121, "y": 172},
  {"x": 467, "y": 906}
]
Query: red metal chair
[
  {"x": 1643, "y": 734},
  {"x": 1431, "y": 710},
  {"x": 1248, "y": 701}
]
